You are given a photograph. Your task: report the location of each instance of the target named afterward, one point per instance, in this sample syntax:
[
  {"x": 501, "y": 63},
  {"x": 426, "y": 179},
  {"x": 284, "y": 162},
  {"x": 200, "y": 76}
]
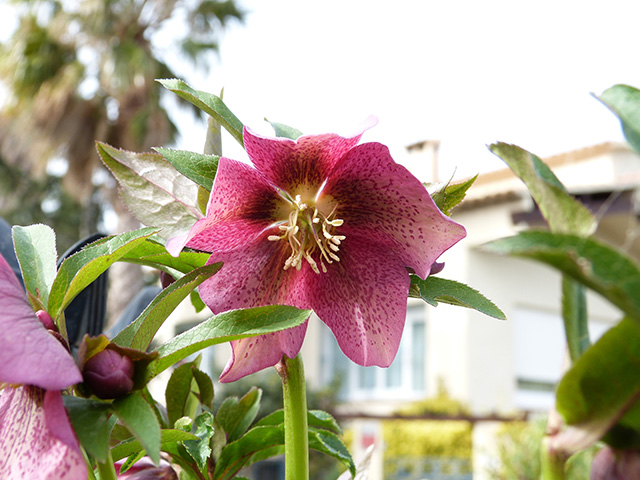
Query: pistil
[{"x": 307, "y": 233}]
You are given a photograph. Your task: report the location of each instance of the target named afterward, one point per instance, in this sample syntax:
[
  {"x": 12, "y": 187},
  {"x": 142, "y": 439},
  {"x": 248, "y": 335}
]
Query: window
[
  {"x": 539, "y": 351},
  {"x": 405, "y": 377}
]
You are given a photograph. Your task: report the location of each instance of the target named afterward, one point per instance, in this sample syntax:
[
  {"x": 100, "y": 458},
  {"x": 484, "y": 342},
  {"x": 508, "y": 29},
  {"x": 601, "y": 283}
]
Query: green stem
[
  {"x": 574, "y": 313},
  {"x": 552, "y": 462},
  {"x": 296, "y": 440},
  {"x": 107, "y": 469}
]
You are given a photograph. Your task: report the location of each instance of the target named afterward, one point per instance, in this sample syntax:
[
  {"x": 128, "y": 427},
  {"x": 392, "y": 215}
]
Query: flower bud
[
  {"x": 610, "y": 464},
  {"x": 109, "y": 374},
  {"x": 46, "y": 320},
  {"x": 153, "y": 473}
]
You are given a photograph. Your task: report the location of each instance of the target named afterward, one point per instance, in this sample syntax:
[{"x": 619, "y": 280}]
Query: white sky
[{"x": 465, "y": 72}]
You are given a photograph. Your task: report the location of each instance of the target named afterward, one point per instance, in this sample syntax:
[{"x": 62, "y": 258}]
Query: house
[{"x": 495, "y": 367}]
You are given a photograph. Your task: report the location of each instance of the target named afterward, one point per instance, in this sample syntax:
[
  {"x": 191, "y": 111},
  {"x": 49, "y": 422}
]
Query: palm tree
[{"x": 84, "y": 70}]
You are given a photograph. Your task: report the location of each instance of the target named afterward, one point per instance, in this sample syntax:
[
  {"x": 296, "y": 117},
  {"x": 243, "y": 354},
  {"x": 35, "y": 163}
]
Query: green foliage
[
  {"x": 435, "y": 289},
  {"x": 624, "y": 101},
  {"x": 138, "y": 416},
  {"x": 425, "y": 438},
  {"x": 209, "y": 103},
  {"x": 198, "y": 167},
  {"x": 282, "y": 130},
  {"x": 518, "y": 449},
  {"x": 563, "y": 213},
  {"x": 449, "y": 196}
]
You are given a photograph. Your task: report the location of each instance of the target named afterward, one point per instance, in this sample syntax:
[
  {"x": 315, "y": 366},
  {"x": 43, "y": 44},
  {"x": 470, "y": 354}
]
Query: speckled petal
[
  {"x": 242, "y": 204},
  {"x": 363, "y": 300},
  {"x": 383, "y": 200},
  {"x": 36, "y": 438},
  {"x": 253, "y": 276},
  {"x": 28, "y": 352},
  {"x": 305, "y": 161}
]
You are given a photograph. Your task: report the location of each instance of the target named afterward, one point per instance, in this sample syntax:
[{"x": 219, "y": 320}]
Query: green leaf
[
  {"x": 332, "y": 445},
  {"x": 435, "y": 289},
  {"x": 594, "y": 264},
  {"x": 200, "y": 449},
  {"x": 624, "y": 101},
  {"x": 213, "y": 142},
  {"x": 209, "y": 103},
  {"x": 563, "y": 213},
  {"x": 235, "y": 416},
  {"x": 138, "y": 416},
  {"x": 285, "y": 131},
  {"x": 198, "y": 167},
  {"x": 140, "y": 332},
  {"x": 601, "y": 386},
  {"x": 154, "y": 254},
  {"x": 450, "y": 196},
  {"x": 132, "y": 445},
  {"x": 315, "y": 418},
  {"x": 35, "y": 248},
  {"x": 179, "y": 394},
  {"x": 82, "y": 268},
  {"x": 90, "y": 422},
  {"x": 237, "y": 455},
  {"x": 153, "y": 190},
  {"x": 205, "y": 388},
  {"x": 225, "y": 327}
]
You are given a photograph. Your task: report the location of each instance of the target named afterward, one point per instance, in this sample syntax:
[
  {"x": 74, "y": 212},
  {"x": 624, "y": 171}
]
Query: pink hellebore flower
[
  {"x": 36, "y": 437},
  {"x": 319, "y": 223}
]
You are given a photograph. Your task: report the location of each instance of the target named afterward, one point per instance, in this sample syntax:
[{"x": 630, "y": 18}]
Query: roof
[{"x": 603, "y": 167}]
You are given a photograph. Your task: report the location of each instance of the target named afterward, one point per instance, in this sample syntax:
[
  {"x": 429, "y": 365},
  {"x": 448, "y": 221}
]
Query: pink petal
[
  {"x": 363, "y": 300},
  {"x": 253, "y": 276},
  {"x": 305, "y": 161},
  {"x": 383, "y": 201},
  {"x": 36, "y": 438},
  {"x": 28, "y": 353},
  {"x": 242, "y": 205}
]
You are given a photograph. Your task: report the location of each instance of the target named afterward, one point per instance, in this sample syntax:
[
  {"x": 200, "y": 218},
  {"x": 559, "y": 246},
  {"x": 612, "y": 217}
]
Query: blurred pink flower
[
  {"x": 319, "y": 223},
  {"x": 36, "y": 437}
]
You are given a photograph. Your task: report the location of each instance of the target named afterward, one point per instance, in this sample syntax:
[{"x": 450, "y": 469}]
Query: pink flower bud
[
  {"x": 153, "y": 473},
  {"x": 109, "y": 374},
  {"x": 46, "y": 320},
  {"x": 610, "y": 464}
]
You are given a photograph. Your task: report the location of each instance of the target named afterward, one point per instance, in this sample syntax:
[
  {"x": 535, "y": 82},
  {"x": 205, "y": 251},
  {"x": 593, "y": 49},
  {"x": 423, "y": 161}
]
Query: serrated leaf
[
  {"x": 200, "y": 449},
  {"x": 237, "y": 455},
  {"x": 82, "y": 268},
  {"x": 594, "y": 264},
  {"x": 138, "y": 416},
  {"x": 225, "y": 327},
  {"x": 128, "y": 463},
  {"x": 139, "y": 333},
  {"x": 624, "y": 101},
  {"x": 235, "y": 416},
  {"x": 450, "y": 196},
  {"x": 601, "y": 386},
  {"x": 435, "y": 289},
  {"x": 563, "y": 213},
  {"x": 154, "y": 254},
  {"x": 90, "y": 423},
  {"x": 154, "y": 191},
  {"x": 329, "y": 443},
  {"x": 198, "y": 167},
  {"x": 285, "y": 131},
  {"x": 179, "y": 392},
  {"x": 35, "y": 248},
  {"x": 315, "y": 418},
  {"x": 131, "y": 445},
  {"x": 208, "y": 103}
]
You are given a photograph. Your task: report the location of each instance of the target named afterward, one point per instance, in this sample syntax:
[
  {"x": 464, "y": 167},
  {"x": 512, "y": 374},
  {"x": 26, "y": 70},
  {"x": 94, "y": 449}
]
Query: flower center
[{"x": 309, "y": 231}]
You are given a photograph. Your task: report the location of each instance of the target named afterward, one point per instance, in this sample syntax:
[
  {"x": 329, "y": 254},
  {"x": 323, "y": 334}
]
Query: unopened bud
[
  {"x": 109, "y": 374},
  {"x": 46, "y": 320},
  {"x": 153, "y": 473},
  {"x": 610, "y": 464}
]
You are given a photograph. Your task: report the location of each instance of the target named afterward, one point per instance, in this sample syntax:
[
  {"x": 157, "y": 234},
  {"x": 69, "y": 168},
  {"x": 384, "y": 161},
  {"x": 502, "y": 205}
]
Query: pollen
[{"x": 311, "y": 236}]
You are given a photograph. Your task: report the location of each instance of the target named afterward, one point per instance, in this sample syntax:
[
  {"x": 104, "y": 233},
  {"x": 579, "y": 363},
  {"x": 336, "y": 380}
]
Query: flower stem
[
  {"x": 296, "y": 441},
  {"x": 107, "y": 469}
]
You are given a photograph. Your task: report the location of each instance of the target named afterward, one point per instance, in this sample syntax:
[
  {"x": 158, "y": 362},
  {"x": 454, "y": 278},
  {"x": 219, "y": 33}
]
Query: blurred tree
[{"x": 83, "y": 70}]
